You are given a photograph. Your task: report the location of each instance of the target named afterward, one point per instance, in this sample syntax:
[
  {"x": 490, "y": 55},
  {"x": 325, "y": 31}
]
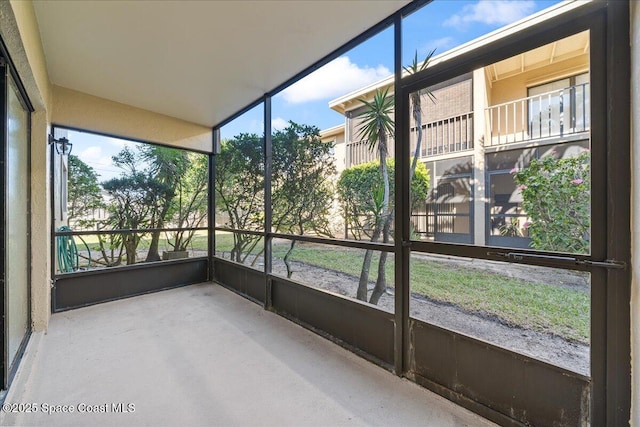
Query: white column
[{"x": 479, "y": 170}]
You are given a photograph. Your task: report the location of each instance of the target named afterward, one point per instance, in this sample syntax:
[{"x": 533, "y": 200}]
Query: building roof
[{"x": 350, "y": 100}]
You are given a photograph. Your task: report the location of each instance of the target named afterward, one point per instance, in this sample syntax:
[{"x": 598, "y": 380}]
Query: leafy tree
[
  {"x": 375, "y": 128},
  {"x": 189, "y": 206},
  {"x": 302, "y": 192},
  {"x": 166, "y": 169},
  {"x": 556, "y": 197},
  {"x": 135, "y": 197},
  {"x": 84, "y": 192},
  {"x": 132, "y": 203},
  {"x": 239, "y": 187}
]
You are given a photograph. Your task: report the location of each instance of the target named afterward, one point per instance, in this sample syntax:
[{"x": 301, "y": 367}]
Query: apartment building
[{"x": 477, "y": 128}]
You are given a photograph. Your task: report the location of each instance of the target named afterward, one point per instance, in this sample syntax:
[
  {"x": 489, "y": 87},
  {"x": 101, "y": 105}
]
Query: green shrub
[
  {"x": 360, "y": 188},
  {"x": 556, "y": 197}
]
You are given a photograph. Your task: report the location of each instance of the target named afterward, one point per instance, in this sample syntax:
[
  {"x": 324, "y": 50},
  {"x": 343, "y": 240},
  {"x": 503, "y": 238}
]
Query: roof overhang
[
  {"x": 570, "y": 47},
  {"x": 194, "y": 60}
]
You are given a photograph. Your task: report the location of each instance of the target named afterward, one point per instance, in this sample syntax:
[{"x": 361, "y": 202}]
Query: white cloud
[
  {"x": 491, "y": 12},
  {"x": 94, "y": 157},
  {"x": 337, "y": 78},
  {"x": 279, "y": 123},
  {"x": 120, "y": 143},
  {"x": 440, "y": 45},
  {"x": 90, "y": 153},
  {"x": 257, "y": 126}
]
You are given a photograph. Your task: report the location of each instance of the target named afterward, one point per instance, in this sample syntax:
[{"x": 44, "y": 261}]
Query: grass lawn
[
  {"x": 199, "y": 242},
  {"x": 542, "y": 307}
]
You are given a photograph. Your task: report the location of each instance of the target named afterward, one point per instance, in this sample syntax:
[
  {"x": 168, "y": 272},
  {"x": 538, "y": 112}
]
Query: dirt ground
[{"x": 546, "y": 347}]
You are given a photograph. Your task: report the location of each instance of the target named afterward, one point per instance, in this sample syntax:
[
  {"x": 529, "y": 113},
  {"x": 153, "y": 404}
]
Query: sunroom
[{"x": 431, "y": 193}]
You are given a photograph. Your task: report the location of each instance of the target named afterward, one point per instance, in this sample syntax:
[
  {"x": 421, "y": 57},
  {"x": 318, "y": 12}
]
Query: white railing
[
  {"x": 552, "y": 114},
  {"x": 359, "y": 152},
  {"x": 444, "y": 136}
]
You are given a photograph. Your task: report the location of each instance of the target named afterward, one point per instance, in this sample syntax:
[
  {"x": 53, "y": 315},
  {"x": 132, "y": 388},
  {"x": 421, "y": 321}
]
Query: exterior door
[{"x": 16, "y": 221}]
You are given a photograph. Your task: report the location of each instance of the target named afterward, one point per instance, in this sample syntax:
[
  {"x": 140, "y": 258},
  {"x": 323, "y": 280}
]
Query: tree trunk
[
  {"x": 152, "y": 254},
  {"x": 361, "y": 294},
  {"x": 417, "y": 116},
  {"x": 130, "y": 246},
  {"x": 286, "y": 260},
  {"x": 381, "y": 282},
  {"x": 364, "y": 276}
]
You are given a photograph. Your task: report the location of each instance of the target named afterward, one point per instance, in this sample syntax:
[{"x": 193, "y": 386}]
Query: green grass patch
[
  {"x": 538, "y": 306},
  {"x": 542, "y": 307}
]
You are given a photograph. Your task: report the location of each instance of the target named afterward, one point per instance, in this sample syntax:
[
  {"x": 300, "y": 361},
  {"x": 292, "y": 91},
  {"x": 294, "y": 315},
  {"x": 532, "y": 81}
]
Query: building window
[{"x": 559, "y": 107}]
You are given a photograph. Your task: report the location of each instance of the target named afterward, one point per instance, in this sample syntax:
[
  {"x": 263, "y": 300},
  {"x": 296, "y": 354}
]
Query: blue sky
[{"x": 443, "y": 24}]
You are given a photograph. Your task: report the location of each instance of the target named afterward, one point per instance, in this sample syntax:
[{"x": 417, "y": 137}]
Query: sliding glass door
[{"x": 15, "y": 235}]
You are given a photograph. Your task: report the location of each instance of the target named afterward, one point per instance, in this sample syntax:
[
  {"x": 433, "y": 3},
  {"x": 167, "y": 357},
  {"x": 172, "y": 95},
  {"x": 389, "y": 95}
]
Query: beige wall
[
  {"x": 635, "y": 214},
  {"x": 19, "y": 31},
  {"x": 79, "y": 110},
  {"x": 513, "y": 88},
  {"x": 29, "y": 59}
]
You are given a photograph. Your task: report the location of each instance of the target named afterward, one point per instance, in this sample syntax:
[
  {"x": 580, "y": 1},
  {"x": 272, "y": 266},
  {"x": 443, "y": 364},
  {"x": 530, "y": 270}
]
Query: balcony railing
[
  {"x": 359, "y": 152},
  {"x": 443, "y": 136},
  {"x": 552, "y": 114}
]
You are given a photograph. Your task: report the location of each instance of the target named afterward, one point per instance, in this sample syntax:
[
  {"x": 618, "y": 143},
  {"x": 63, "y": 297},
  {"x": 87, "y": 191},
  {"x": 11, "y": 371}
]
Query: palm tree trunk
[
  {"x": 381, "y": 282},
  {"x": 417, "y": 116},
  {"x": 361, "y": 293},
  {"x": 384, "y": 219}
]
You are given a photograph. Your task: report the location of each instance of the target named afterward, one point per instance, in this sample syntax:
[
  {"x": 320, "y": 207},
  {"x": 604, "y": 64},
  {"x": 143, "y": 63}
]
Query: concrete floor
[{"x": 201, "y": 355}]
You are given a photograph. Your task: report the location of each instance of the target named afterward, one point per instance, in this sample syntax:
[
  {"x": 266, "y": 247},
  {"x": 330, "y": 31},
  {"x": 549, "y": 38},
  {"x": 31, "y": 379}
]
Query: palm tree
[
  {"x": 416, "y": 104},
  {"x": 375, "y": 128},
  {"x": 376, "y": 125}
]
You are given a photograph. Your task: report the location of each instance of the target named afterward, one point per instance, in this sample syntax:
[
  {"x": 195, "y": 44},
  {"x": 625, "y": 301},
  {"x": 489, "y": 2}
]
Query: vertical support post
[
  {"x": 349, "y": 144},
  {"x": 618, "y": 108},
  {"x": 268, "y": 261},
  {"x": 402, "y": 231},
  {"x": 52, "y": 190},
  {"x": 211, "y": 200},
  {"x": 480, "y": 138}
]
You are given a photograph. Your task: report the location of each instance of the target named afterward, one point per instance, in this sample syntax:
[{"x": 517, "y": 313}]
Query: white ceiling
[{"x": 200, "y": 61}]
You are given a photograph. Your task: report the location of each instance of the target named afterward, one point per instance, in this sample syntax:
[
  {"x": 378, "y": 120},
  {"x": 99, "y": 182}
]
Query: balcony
[
  {"x": 555, "y": 114},
  {"x": 359, "y": 152},
  {"x": 202, "y": 355},
  {"x": 445, "y": 136}
]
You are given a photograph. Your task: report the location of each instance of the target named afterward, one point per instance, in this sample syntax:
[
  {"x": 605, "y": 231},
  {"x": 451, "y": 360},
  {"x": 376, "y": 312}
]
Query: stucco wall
[
  {"x": 80, "y": 110},
  {"x": 515, "y": 87},
  {"x": 19, "y": 31},
  {"x": 635, "y": 214}
]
